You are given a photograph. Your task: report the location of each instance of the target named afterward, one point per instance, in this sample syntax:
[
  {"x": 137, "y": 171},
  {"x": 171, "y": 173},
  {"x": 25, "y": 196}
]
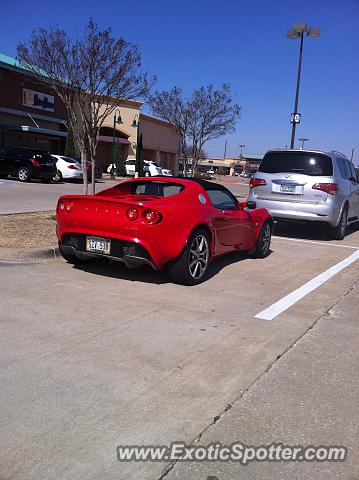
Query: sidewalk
[{"x": 309, "y": 397}]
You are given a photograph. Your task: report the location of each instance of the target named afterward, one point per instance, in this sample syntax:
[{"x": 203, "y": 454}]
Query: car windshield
[
  {"x": 157, "y": 189},
  {"x": 313, "y": 164}
]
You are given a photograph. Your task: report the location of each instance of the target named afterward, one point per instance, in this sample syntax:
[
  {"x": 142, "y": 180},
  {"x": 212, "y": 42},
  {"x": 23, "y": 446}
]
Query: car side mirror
[{"x": 251, "y": 205}]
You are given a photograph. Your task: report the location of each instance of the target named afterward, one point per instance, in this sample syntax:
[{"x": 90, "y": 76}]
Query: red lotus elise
[{"x": 175, "y": 223}]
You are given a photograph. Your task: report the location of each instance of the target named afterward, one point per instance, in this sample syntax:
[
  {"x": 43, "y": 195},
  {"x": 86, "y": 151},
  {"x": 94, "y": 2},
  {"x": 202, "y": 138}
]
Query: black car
[{"x": 26, "y": 164}]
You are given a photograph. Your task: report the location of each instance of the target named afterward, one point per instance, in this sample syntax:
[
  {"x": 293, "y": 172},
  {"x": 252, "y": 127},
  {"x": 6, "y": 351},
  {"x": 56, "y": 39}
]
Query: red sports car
[{"x": 175, "y": 223}]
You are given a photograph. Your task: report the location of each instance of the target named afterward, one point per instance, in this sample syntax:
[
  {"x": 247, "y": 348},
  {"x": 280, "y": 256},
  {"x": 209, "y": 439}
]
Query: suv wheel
[
  {"x": 338, "y": 232},
  {"x": 24, "y": 174}
]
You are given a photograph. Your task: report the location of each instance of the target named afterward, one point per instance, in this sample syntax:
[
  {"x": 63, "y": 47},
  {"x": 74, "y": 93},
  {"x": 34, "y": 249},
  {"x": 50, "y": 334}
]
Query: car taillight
[
  {"x": 64, "y": 207},
  {"x": 72, "y": 167},
  {"x": 257, "y": 182},
  {"x": 35, "y": 162},
  {"x": 330, "y": 188},
  {"x": 150, "y": 216},
  {"x": 132, "y": 214}
]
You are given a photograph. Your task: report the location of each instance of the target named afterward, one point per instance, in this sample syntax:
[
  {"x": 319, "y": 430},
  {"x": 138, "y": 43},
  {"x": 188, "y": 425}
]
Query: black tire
[
  {"x": 24, "y": 174},
  {"x": 57, "y": 177},
  {"x": 262, "y": 248},
  {"x": 191, "y": 266},
  {"x": 338, "y": 232},
  {"x": 71, "y": 258}
]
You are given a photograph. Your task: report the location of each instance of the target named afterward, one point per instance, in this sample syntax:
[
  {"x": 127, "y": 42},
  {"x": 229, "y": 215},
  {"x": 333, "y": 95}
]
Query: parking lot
[{"x": 104, "y": 356}]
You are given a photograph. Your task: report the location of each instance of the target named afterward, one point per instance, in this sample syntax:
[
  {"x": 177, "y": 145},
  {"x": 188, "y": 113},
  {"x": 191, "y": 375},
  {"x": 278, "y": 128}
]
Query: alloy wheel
[
  {"x": 266, "y": 238},
  {"x": 198, "y": 257},
  {"x": 23, "y": 174}
]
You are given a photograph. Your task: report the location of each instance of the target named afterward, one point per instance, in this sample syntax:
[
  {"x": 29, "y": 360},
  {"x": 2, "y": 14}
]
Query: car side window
[
  {"x": 342, "y": 169},
  {"x": 222, "y": 199},
  {"x": 353, "y": 173}
]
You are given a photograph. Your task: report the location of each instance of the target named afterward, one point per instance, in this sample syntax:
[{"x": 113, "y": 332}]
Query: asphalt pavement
[
  {"x": 17, "y": 197},
  {"x": 101, "y": 356}
]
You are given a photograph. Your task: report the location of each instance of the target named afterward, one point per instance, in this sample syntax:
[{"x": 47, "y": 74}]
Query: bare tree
[
  {"x": 208, "y": 114},
  {"x": 213, "y": 114},
  {"x": 91, "y": 75},
  {"x": 172, "y": 107}
]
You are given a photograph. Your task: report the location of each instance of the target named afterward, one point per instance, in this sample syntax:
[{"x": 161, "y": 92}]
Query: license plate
[
  {"x": 98, "y": 245},
  {"x": 287, "y": 188}
]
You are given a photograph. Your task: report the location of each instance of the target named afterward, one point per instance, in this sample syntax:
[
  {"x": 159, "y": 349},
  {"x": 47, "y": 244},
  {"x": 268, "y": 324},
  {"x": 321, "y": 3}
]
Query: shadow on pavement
[
  {"x": 315, "y": 231},
  {"x": 147, "y": 275}
]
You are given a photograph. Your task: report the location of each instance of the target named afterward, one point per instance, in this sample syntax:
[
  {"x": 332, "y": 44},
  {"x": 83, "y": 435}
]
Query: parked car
[
  {"x": 67, "y": 168},
  {"x": 150, "y": 168},
  {"x": 26, "y": 164},
  {"x": 172, "y": 223},
  {"x": 309, "y": 186}
]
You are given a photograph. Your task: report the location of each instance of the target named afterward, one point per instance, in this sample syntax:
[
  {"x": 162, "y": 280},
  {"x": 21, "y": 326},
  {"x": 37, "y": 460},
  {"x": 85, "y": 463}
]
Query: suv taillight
[
  {"x": 35, "y": 162},
  {"x": 257, "y": 182},
  {"x": 330, "y": 188}
]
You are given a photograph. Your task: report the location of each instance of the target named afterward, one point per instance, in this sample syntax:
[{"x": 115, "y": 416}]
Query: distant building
[
  {"x": 32, "y": 115},
  {"x": 228, "y": 166}
]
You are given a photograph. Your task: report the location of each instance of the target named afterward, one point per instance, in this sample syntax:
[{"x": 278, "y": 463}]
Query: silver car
[{"x": 308, "y": 185}]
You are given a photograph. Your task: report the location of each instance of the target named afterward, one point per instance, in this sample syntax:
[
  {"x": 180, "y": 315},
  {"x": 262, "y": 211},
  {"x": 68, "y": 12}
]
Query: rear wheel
[
  {"x": 24, "y": 174},
  {"x": 262, "y": 247},
  {"x": 338, "y": 232},
  {"x": 191, "y": 266},
  {"x": 71, "y": 258},
  {"x": 58, "y": 176}
]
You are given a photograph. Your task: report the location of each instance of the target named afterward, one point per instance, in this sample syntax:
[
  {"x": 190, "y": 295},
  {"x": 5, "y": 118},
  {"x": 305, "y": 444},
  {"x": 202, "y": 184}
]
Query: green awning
[{"x": 28, "y": 129}]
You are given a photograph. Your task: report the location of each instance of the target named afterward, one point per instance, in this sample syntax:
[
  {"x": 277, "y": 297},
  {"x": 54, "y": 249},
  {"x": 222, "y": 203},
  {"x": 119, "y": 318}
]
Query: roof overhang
[{"x": 28, "y": 129}]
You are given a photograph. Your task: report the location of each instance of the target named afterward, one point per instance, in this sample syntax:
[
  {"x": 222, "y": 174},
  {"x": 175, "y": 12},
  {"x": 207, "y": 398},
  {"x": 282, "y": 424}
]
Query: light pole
[
  {"x": 139, "y": 166},
  {"x": 119, "y": 121},
  {"x": 241, "y": 146},
  {"x": 303, "y": 140},
  {"x": 294, "y": 33}
]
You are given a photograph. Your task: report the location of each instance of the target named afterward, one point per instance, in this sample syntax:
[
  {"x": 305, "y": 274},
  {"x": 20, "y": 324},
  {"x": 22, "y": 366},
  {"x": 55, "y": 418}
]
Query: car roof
[{"x": 302, "y": 150}]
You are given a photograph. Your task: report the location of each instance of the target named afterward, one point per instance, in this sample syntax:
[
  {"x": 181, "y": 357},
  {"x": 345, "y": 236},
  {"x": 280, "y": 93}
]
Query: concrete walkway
[{"x": 308, "y": 397}]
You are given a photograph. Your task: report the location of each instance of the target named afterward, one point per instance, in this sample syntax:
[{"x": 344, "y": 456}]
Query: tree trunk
[
  {"x": 84, "y": 170},
  {"x": 93, "y": 180}
]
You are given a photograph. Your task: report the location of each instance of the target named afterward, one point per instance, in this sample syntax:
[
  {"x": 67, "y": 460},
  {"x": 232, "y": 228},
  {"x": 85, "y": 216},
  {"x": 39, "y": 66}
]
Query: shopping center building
[{"x": 31, "y": 115}]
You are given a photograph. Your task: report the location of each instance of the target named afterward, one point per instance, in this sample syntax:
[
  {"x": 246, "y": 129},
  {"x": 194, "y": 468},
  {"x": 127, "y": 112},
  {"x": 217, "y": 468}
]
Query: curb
[{"x": 28, "y": 255}]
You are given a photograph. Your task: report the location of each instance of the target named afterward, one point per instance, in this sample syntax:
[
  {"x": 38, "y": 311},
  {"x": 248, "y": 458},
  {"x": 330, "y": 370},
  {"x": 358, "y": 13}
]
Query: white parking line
[
  {"x": 279, "y": 307},
  {"x": 314, "y": 242}
]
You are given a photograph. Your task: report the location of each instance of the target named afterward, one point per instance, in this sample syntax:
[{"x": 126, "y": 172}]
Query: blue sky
[{"x": 190, "y": 43}]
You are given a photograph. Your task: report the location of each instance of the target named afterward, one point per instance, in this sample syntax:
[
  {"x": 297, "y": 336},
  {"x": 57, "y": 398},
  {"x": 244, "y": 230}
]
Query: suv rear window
[{"x": 313, "y": 164}]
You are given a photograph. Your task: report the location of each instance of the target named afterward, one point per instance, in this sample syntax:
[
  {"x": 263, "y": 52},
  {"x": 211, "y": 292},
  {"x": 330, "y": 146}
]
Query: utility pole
[
  {"x": 241, "y": 146},
  {"x": 225, "y": 150}
]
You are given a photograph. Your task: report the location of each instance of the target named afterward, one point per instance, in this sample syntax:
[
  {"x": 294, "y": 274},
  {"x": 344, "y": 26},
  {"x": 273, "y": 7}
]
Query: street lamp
[
  {"x": 241, "y": 146},
  {"x": 303, "y": 140},
  {"x": 294, "y": 33},
  {"x": 117, "y": 121}
]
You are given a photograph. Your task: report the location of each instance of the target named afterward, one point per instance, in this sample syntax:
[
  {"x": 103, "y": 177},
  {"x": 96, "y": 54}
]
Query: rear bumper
[
  {"x": 130, "y": 253},
  {"x": 327, "y": 212}
]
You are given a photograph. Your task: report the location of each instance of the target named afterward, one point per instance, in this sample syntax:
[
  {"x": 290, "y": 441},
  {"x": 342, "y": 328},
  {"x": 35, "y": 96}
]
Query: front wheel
[
  {"x": 191, "y": 266},
  {"x": 262, "y": 247}
]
